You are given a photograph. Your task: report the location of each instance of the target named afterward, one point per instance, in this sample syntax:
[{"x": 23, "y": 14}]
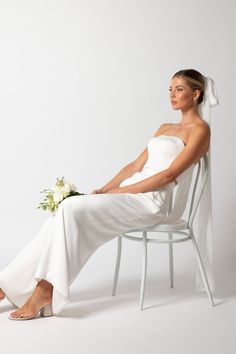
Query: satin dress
[{"x": 66, "y": 241}]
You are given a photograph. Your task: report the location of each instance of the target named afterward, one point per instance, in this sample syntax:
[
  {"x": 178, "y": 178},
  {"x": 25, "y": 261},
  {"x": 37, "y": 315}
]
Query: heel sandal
[{"x": 46, "y": 311}]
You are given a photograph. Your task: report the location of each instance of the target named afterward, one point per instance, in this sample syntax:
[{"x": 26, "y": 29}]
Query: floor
[{"x": 178, "y": 320}]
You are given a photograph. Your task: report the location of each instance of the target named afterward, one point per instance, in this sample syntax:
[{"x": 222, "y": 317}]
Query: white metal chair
[{"x": 183, "y": 228}]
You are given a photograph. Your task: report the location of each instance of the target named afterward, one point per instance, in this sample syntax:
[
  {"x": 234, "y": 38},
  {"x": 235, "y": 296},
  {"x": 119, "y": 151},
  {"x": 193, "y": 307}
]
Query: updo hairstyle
[{"x": 194, "y": 79}]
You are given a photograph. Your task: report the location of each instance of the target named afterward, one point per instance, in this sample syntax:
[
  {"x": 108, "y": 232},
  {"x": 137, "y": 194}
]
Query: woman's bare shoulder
[
  {"x": 203, "y": 124},
  {"x": 163, "y": 127},
  {"x": 200, "y": 135},
  {"x": 202, "y": 127}
]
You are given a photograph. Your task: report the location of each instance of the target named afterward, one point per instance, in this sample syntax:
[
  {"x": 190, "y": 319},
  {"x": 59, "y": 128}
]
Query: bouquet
[{"x": 53, "y": 197}]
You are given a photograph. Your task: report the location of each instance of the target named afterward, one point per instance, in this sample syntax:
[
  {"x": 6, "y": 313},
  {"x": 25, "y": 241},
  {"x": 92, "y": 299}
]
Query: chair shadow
[{"x": 98, "y": 298}]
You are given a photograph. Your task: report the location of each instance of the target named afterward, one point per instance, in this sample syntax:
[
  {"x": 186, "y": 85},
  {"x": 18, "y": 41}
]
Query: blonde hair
[{"x": 194, "y": 79}]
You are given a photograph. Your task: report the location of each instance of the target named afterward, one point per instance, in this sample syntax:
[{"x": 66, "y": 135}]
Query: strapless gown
[{"x": 65, "y": 242}]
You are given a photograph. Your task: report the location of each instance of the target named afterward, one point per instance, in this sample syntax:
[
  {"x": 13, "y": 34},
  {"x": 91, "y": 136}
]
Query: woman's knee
[{"x": 72, "y": 204}]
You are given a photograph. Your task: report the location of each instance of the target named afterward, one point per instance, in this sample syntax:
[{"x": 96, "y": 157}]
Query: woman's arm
[
  {"x": 124, "y": 173},
  {"x": 197, "y": 146},
  {"x": 113, "y": 185}
]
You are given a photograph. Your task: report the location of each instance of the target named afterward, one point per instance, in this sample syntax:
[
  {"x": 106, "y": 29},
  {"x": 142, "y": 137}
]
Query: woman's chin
[{"x": 175, "y": 108}]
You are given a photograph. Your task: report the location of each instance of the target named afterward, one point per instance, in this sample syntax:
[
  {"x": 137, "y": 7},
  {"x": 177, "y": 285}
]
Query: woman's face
[{"x": 181, "y": 95}]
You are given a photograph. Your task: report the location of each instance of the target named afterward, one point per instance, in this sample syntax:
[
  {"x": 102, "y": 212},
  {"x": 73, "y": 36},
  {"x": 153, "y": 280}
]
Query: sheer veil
[{"x": 205, "y": 229}]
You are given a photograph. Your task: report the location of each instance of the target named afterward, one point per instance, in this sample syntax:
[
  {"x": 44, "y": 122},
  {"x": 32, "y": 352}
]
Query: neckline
[{"x": 171, "y": 136}]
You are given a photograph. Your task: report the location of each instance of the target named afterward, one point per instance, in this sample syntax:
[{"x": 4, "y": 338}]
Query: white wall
[{"x": 84, "y": 85}]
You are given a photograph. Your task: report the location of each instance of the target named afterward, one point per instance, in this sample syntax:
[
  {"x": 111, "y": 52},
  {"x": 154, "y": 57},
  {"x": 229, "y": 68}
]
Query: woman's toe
[
  {"x": 2, "y": 294},
  {"x": 15, "y": 314},
  {"x": 12, "y": 314}
]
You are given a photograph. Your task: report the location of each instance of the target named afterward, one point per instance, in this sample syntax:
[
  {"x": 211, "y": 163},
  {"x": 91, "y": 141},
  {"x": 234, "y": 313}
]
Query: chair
[{"x": 183, "y": 228}]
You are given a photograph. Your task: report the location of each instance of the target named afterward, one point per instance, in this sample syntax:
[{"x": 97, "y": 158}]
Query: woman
[{"x": 38, "y": 279}]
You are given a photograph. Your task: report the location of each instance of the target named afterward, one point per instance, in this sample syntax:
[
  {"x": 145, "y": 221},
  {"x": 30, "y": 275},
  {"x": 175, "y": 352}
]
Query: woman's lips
[{"x": 173, "y": 102}]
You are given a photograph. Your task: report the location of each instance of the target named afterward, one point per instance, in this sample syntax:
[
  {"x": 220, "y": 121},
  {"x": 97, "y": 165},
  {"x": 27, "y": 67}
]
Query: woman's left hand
[{"x": 115, "y": 190}]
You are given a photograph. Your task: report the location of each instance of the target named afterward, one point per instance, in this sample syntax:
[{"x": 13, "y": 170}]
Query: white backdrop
[{"x": 84, "y": 86}]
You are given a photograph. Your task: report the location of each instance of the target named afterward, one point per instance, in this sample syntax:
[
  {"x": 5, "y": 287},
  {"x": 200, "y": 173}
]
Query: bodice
[{"x": 162, "y": 150}]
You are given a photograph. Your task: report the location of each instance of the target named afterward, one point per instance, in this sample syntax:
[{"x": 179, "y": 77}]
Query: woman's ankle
[
  {"x": 45, "y": 288},
  {"x": 45, "y": 284}
]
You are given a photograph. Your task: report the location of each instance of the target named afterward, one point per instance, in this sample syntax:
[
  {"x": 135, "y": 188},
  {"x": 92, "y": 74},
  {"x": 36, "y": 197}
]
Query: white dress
[{"x": 65, "y": 241}]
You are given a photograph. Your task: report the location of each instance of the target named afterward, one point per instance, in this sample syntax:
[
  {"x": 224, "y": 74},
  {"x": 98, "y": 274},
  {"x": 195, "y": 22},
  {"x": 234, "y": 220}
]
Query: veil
[{"x": 205, "y": 229}]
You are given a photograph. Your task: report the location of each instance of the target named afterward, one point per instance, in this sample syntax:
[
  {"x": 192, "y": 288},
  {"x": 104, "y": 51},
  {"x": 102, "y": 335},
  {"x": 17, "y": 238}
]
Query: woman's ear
[{"x": 196, "y": 95}]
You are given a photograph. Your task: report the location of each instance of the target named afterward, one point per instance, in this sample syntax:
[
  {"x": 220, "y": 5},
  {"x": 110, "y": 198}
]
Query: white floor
[{"x": 174, "y": 321}]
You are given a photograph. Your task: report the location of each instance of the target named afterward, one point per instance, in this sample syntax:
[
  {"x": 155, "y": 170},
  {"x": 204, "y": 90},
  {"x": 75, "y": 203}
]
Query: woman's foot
[
  {"x": 41, "y": 297},
  {"x": 2, "y": 294}
]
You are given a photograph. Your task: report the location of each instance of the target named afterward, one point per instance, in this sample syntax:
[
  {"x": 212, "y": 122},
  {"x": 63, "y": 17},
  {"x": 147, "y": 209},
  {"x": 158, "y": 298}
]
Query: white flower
[
  {"x": 57, "y": 197},
  {"x": 56, "y": 194},
  {"x": 69, "y": 187}
]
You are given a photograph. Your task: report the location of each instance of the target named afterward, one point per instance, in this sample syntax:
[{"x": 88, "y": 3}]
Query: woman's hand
[
  {"x": 115, "y": 190},
  {"x": 97, "y": 191},
  {"x": 112, "y": 190}
]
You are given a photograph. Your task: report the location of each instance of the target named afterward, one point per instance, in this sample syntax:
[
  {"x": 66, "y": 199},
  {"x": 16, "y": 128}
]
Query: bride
[{"x": 37, "y": 280}]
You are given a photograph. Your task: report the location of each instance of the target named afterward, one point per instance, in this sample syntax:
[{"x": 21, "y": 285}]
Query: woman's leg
[
  {"x": 17, "y": 278},
  {"x": 80, "y": 226}
]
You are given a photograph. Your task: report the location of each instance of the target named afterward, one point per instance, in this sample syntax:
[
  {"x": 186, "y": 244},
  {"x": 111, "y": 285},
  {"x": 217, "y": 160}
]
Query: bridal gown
[{"x": 65, "y": 242}]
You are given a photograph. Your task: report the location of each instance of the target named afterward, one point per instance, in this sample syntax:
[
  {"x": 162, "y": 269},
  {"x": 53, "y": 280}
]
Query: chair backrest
[{"x": 195, "y": 193}]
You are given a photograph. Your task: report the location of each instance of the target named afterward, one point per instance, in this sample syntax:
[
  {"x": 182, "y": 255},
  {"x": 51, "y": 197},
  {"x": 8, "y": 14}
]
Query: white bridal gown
[{"x": 65, "y": 241}]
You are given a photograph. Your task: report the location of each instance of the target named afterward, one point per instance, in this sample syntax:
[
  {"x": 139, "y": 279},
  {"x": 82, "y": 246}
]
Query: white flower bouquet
[{"x": 53, "y": 197}]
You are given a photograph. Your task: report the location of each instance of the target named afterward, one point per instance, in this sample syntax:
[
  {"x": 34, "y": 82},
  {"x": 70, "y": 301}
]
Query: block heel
[{"x": 46, "y": 311}]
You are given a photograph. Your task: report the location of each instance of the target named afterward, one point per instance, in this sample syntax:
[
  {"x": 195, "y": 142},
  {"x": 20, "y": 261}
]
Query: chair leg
[
  {"x": 202, "y": 270},
  {"x": 119, "y": 246},
  {"x": 171, "y": 264},
  {"x": 144, "y": 270}
]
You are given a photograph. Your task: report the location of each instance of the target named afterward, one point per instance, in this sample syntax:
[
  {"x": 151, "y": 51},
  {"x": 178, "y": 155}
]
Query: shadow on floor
[{"x": 98, "y": 297}]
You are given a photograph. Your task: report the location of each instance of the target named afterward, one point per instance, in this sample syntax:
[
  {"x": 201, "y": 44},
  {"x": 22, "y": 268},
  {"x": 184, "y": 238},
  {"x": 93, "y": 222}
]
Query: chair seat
[{"x": 173, "y": 225}]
